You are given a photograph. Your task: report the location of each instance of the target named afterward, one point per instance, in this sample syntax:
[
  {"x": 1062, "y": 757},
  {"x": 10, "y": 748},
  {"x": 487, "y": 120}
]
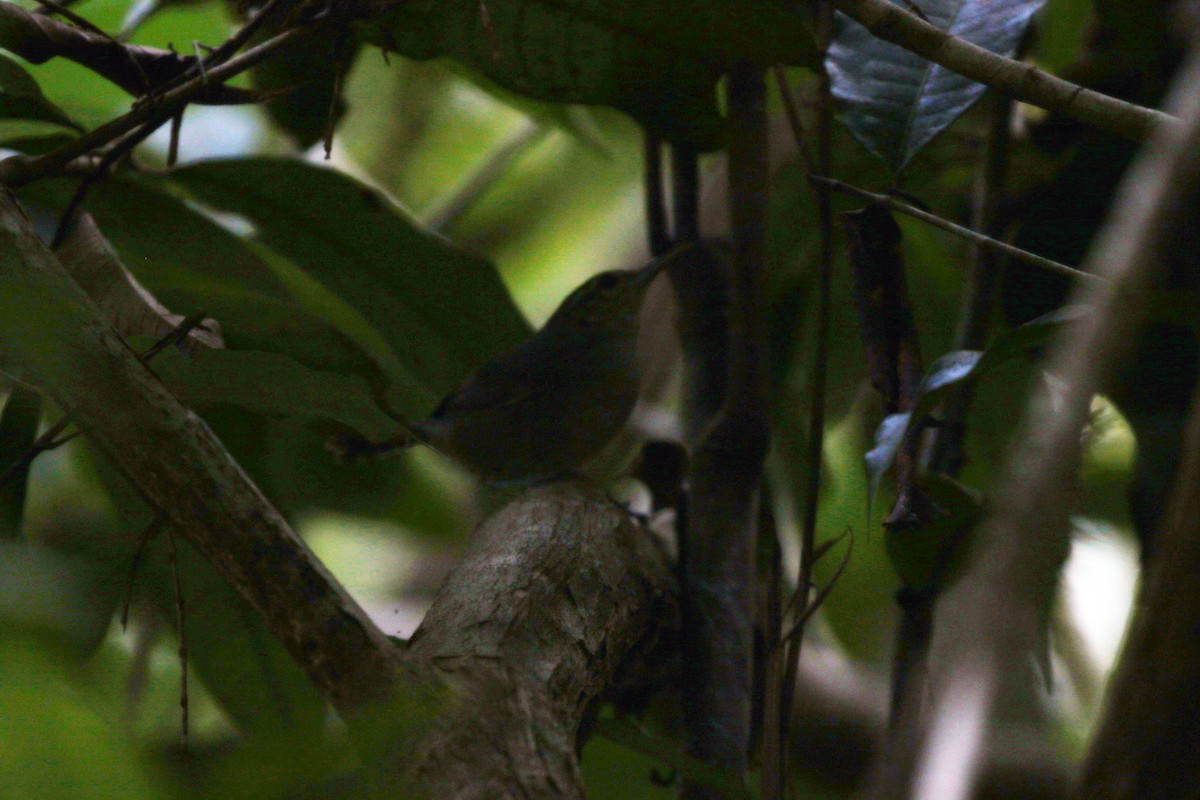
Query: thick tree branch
[
  {"x": 561, "y": 590},
  {"x": 1020, "y": 546},
  {"x": 1019, "y": 81},
  {"x": 51, "y": 328}
]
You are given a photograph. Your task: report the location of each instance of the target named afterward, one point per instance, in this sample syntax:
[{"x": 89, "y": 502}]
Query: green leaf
[
  {"x": 442, "y": 311},
  {"x": 656, "y": 61},
  {"x": 307, "y": 76},
  {"x": 191, "y": 263},
  {"x": 272, "y": 383},
  {"x": 22, "y": 98},
  {"x": 959, "y": 369},
  {"x": 53, "y": 742},
  {"x": 895, "y": 101}
]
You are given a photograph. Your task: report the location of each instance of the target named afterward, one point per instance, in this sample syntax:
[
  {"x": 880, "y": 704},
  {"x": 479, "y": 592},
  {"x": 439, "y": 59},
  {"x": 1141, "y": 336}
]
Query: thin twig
[
  {"x": 958, "y": 230},
  {"x": 797, "y": 629},
  {"x": 816, "y": 422},
  {"x": 224, "y": 51},
  {"x": 658, "y": 237},
  {"x": 99, "y": 171},
  {"x": 479, "y": 182},
  {"x": 144, "y": 540},
  {"x": 180, "y": 619},
  {"x": 19, "y": 170}
]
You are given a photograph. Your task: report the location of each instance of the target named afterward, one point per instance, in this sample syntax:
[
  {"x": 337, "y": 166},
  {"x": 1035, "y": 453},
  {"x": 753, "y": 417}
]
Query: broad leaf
[
  {"x": 895, "y": 101},
  {"x": 272, "y": 383},
  {"x": 656, "y": 61},
  {"x": 442, "y": 311},
  {"x": 307, "y": 79},
  {"x": 22, "y": 98},
  {"x": 122, "y": 300},
  {"x": 955, "y": 370}
]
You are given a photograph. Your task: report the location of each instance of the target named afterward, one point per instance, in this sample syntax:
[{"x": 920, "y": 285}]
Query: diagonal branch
[
  {"x": 1019, "y": 81},
  {"x": 134, "y": 68},
  {"x": 50, "y": 328},
  {"x": 17, "y": 171}
]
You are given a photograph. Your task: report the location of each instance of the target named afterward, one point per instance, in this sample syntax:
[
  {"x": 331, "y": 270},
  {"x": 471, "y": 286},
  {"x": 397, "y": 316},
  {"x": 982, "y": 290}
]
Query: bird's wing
[{"x": 492, "y": 386}]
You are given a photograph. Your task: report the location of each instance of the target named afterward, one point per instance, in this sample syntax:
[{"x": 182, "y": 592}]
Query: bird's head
[{"x": 610, "y": 299}]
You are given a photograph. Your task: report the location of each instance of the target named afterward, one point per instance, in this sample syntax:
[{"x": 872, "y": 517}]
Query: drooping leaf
[
  {"x": 442, "y": 311},
  {"x": 242, "y": 664},
  {"x": 895, "y": 101},
  {"x": 307, "y": 77},
  {"x": 22, "y": 98},
  {"x": 272, "y": 383},
  {"x": 192, "y": 264},
  {"x": 629, "y": 734},
  {"x": 959, "y": 369},
  {"x": 36, "y": 144},
  {"x": 655, "y": 61}
]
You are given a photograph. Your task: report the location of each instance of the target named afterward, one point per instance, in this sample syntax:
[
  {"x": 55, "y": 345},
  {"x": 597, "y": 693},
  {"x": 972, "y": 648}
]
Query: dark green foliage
[{"x": 895, "y": 102}]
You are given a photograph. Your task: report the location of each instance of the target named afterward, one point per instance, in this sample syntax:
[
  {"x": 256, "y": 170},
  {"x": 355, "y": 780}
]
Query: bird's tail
[{"x": 351, "y": 446}]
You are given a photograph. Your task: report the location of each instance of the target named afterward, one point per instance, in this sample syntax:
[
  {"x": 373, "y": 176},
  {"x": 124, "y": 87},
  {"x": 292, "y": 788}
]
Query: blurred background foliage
[{"x": 332, "y": 292}]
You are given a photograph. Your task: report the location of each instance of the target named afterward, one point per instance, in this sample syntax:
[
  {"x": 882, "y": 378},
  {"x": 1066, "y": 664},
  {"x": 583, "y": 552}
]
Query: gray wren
[{"x": 547, "y": 406}]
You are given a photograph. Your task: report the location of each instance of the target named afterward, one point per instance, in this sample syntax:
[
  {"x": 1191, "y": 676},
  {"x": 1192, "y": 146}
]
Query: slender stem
[
  {"x": 816, "y": 420},
  {"x": 685, "y": 193},
  {"x": 477, "y": 184},
  {"x": 792, "y": 110},
  {"x": 658, "y": 234},
  {"x": 19, "y": 170},
  {"x": 914, "y": 639},
  {"x": 958, "y": 230},
  {"x": 727, "y": 466}
]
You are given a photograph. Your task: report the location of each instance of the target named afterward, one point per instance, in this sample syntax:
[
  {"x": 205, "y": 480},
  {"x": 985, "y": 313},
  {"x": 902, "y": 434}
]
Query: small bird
[{"x": 544, "y": 408}]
